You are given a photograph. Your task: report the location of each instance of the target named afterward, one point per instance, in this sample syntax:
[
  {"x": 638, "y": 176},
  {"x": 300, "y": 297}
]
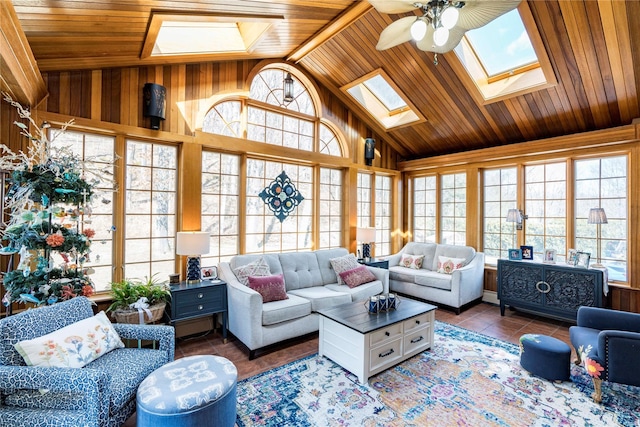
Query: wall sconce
[
  {"x": 366, "y": 235},
  {"x": 288, "y": 88},
  {"x": 517, "y": 216},
  {"x": 597, "y": 216},
  {"x": 369, "y": 151},
  {"x": 192, "y": 244},
  {"x": 154, "y": 103}
]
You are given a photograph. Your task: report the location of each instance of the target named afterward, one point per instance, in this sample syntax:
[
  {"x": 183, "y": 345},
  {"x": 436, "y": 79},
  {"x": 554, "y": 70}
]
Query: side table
[
  {"x": 375, "y": 263},
  {"x": 193, "y": 300}
]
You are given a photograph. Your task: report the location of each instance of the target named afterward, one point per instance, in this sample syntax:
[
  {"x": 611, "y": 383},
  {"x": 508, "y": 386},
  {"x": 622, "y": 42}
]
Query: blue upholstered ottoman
[
  {"x": 194, "y": 391},
  {"x": 545, "y": 357}
]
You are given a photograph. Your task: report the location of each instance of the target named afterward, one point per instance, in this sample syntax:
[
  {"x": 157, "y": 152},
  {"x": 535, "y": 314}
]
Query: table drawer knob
[
  {"x": 388, "y": 353},
  {"x": 387, "y": 334},
  {"x": 200, "y": 295},
  {"x": 415, "y": 340},
  {"x": 200, "y": 307},
  {"x": 417, "y": 322}
]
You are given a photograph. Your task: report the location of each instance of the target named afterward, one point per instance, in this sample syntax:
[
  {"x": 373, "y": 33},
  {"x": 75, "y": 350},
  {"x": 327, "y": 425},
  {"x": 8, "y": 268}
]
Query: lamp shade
[
  {"x": 366, "y": 234},
  {"x": 513, "y": 215},
  {"x": 192, "y": 243},
  {"x": 597, "y": 216}
]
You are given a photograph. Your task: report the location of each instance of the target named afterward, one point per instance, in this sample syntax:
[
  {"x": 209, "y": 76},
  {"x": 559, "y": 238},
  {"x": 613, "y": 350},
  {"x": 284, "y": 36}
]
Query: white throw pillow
[
  {"x": 73, "y": 346},
  {"x": 447, "y": 265},
  {"x": 258, "y": 267},
  {"x": 412, "y": 261},
  {"x": 342, "y": 264}
]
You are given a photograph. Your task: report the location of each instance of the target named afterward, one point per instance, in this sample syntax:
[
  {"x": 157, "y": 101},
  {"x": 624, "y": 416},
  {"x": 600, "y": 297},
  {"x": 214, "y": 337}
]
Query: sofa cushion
[
  {"x": 447, "y": 265},
  {"x": 361, "y": 292},
  {"x": 271, "y": 288},
  {"x": 258, "y": 267},
  {"x": 324, "y": 256},
  {"x": 412, "y": 261},
  {"x": 426, "y": 249},
  {"x": 322, "y": 297},
  {"x": 357, "y": 276},
  {"x": 73, "y": 346},
  {"x": 280, "y": 311},
  {"x": 300, "y": 269},
  {"x": 272, "y": 261},
  {"x": 421, "y": 277},
  {"x": 453, "y": 251},
  {"x": 342, "y": 264}
]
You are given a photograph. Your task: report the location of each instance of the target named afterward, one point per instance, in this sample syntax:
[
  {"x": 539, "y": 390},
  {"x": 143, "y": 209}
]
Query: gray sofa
[
  {"x": 311, "y": 285},
  {"x": 455, "y": 290}
]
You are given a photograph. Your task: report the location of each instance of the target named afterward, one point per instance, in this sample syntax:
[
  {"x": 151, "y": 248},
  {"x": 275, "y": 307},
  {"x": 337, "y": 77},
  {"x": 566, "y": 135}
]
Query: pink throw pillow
[
  {"x": 270, "y": 287},
  {"x": 357, "y": 276}
]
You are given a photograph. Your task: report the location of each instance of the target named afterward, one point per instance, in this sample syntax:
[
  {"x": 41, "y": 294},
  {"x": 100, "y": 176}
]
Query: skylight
[
  {"x": 503, "y": 45},
  {"x": 383, "y": 100}
]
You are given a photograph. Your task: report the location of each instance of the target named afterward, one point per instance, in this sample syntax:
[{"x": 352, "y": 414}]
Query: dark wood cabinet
[{"x": 552, "y": 290}]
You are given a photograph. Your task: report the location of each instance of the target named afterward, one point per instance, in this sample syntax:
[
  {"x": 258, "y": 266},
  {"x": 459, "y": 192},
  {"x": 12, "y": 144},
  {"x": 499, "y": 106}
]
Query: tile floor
[{"x": 484, "y": 318}]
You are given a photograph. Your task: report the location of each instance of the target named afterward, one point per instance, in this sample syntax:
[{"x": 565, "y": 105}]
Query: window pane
[
  {"x": 383, "y": 216},
  {"x": 330, "y": 208},
  {"x": 499, "y": 195},
  {"x": 453, "y": 209},
  {"x": 424, "y": 209}
]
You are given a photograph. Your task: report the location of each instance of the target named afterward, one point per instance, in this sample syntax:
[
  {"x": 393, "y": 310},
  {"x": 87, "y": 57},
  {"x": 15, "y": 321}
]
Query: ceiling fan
[{"x": 442, "y": 24}]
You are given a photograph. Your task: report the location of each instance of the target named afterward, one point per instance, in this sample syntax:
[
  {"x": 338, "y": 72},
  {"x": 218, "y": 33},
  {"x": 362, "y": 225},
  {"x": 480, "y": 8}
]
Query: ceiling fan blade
[
  {"x": 427, "y": 44},
  {"x": 393, "y": 6},
  {"x": 396, "y": 33},
  {"x": 478, "y": 13}
]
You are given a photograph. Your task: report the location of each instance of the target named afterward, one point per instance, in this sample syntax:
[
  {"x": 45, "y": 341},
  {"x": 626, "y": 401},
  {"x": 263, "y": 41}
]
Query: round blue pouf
[
  {"x": 194, "y": 391},
  {"x": 545, "y": 357}
]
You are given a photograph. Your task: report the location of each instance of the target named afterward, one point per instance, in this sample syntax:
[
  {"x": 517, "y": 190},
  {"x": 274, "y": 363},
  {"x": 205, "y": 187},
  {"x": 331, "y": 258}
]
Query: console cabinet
[{"x": 553, "y": 290}]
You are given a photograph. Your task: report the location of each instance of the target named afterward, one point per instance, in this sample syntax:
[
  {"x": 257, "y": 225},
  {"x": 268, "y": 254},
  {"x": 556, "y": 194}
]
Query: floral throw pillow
[
  {"x": 258, "y": 267},
  {"x": 447, "y": 265},
  {"x": 73, "y": 346},
  {"x": 342, "y": 264},
  {"x": 270, "y": 287},
  {"x": 412, "y": 261},
  {"x": 358, "y": 276}
]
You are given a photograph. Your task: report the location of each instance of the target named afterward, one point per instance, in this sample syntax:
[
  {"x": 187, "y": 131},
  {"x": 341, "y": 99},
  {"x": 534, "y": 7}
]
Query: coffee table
[{"x": 367, "y": 344}]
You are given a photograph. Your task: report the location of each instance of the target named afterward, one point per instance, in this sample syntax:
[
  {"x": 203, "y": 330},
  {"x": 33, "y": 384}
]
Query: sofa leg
[
  {"x": 458, "y": 311},
  {"x": 597, "y": 387},
  {"x": 252, "y": 354}
]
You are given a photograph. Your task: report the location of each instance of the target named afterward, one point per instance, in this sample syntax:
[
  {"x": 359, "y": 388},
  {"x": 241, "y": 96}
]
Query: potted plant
[{"x": 139, "y": 301}]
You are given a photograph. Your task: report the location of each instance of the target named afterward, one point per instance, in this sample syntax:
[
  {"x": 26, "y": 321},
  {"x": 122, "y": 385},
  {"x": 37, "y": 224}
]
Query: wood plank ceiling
[{"x": 593, "y": 46}]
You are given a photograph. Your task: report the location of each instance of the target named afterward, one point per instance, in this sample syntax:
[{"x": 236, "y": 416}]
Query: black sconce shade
[
  {"x": 154, "y": 103},
  {"x": 369, "y": 150}
]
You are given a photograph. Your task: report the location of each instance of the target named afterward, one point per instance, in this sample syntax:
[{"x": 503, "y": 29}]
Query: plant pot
[{"x": 132, "y": 316}]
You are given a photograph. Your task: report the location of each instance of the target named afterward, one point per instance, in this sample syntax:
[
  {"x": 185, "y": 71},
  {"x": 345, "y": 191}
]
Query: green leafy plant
[{"x": 129, "y": 291}]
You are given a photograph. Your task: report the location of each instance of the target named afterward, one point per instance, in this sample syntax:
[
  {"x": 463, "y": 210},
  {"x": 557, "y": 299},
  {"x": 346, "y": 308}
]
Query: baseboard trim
[{"x": 491, "y": 297}]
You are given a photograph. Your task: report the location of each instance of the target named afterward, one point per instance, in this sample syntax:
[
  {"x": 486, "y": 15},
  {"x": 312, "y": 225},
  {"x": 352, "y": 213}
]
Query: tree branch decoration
[
  {"x": 48, "y": 199},
  {"x": 281, "y": 196}
]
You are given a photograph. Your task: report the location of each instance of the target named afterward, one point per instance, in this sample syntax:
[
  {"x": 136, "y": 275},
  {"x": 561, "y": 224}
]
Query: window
[
  {"x": 500, "y": 195},
  {"x": 330, "y": 207},
  {"x": 383, "y": 215},
  {"x": 268, "y": 87},
  {"x": 265, "y": 233},
  {"x": 383, "y": 100},
  {"x": 424, "y": 209},
  {"x": 364, "y": 200},
  {"x": 224, "y": 119},
  {"x": 98, "y": 154},
  {"x": 150, "y": 209},
  {"x": 602, "y": 183},
  {"x": 453, "y": 204},
  {"x": 329, "y": 143},
  {"x": 220, "y": 203},
  {"x": 546, "y": 208}
]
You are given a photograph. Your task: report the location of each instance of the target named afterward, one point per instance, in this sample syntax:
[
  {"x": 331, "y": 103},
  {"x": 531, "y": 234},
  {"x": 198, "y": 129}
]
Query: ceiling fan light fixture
[
  {"x": 440, "y": 36},
  {"x": 418, "y": 29},
  {"x": 449, "y": 17}
]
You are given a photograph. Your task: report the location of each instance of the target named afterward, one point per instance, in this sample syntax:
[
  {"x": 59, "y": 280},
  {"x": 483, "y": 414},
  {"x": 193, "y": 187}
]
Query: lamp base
[
  {"x": 193, "y": 269},
  {"x": 366, "y": 251}
]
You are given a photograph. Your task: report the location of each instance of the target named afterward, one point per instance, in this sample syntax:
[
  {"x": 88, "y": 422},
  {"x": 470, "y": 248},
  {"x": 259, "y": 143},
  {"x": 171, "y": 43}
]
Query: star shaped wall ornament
[{"x": 281, "y": 196}]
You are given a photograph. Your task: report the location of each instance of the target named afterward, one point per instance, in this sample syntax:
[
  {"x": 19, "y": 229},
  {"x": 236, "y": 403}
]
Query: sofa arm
[
  {"x": 620, "y": 351},
  {"x": 469, "y": 280},
  {"x": 245, "y": 309},
  {"x": 603, "y": 318},
  {"x": 165, "y": 335},
  {"x": 381, "y": 274},
  {"x": 393, "y": 259},
  {"x": 91, "y": 383}
]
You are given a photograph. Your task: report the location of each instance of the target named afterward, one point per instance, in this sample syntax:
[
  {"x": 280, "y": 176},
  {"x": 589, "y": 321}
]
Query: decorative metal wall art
[{"x": 281, "y": 196}]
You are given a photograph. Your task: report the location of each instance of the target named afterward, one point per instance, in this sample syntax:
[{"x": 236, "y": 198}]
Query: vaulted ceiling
[{"x": 593, "y": 47}]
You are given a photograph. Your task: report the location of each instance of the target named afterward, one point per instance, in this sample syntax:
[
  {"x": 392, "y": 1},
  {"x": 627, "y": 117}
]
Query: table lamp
[
  {"x": 366, "y": 235},
  {"x": 597, "y": 216},
  {"x": 192, "y": 244}
]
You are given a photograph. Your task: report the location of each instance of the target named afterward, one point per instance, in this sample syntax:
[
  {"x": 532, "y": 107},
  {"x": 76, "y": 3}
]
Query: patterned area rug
[{"x": 466, "y": 379}]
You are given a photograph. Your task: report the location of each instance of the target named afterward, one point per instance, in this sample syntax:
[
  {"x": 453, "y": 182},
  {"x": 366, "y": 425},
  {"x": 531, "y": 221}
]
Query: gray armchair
[
  {"x": 103, "y": 393},
  {"x": 608, "y": 343}
]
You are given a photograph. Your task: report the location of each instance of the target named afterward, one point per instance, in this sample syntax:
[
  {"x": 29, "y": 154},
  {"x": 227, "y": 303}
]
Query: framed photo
[
  {"x": 582, "y": 259},
  {"x": 549, "y": 256},
  {"x": 571, "y": 256},
  {"x": 527, "y": 252},
  {"x": 208, "y": 273},
  {"x": 515, "y": 254}
]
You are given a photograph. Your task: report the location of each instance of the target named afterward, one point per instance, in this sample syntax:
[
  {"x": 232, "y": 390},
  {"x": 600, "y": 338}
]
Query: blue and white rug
[{"x": 466, "y": 379}]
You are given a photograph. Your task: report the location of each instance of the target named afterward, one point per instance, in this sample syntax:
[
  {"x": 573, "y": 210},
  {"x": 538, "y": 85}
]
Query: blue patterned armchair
[
  {"x": 608, "y": 343},
  {"x": 103, "y": 393}
]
